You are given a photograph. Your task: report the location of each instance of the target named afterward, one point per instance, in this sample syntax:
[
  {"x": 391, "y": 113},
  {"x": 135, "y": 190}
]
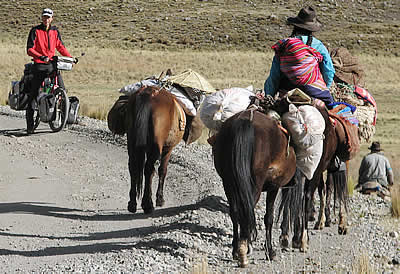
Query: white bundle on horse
[
  {"x": 183, "y": 100},
  {"x": 219, "y": 106},
  {"x": 306, "y": 126}
]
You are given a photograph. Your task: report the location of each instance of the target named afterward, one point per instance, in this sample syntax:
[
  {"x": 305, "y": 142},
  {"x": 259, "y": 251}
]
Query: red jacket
[{"x": 44, "y": 43}]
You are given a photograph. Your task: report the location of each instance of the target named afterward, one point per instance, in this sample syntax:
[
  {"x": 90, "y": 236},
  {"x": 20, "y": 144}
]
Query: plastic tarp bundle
[
  {"x": 192, "y": 79},
  {"x": 183, "y": 100},
  {"x": 219, "y": 106},
  {"x": 306, "y": 126}
]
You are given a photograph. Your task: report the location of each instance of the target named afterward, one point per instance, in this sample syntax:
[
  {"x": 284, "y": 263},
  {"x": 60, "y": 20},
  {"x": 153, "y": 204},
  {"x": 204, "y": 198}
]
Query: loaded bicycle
[{"x": 52, "y": 103}]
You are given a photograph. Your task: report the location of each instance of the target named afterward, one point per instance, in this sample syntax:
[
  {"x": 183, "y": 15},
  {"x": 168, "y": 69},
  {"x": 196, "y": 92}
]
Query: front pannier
[{"x": 73, "y": 110}]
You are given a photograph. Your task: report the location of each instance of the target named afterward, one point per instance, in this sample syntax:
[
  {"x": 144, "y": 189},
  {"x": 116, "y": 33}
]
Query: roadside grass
[
  {"x": 351, "y": 184},
  {"x": 200, "y": 266},
  {"x": 395, "y": 197},
  {"x": 362, "y": 265}
]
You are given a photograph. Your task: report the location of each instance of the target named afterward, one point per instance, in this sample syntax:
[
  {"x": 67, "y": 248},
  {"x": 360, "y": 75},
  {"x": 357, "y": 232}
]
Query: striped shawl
[{"x": 298, "y": 61}]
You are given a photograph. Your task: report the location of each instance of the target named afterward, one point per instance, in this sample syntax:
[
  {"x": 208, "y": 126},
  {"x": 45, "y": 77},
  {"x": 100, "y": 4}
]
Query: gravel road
[{"x": 63, "y": 199}]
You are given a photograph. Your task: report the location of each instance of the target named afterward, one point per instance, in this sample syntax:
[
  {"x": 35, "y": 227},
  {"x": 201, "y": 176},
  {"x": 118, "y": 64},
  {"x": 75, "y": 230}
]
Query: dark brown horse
[
  {"x": 155, "y": 123},
  {"x": 335, "y": 144},
  {"x": 251, "y": 155}
]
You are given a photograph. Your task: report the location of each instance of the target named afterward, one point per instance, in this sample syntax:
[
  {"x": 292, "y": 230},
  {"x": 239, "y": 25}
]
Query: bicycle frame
[{"x": 50, "y": 85}]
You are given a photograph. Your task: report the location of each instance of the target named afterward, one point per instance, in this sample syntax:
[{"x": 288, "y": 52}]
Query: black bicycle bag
[
  {"x": 46, "y": 104},
  {"x": 73, "y": 110}
]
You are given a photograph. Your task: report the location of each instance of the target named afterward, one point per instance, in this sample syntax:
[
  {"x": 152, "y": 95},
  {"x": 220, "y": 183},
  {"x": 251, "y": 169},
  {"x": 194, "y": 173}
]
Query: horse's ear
[{"x": 169, "y": 72}]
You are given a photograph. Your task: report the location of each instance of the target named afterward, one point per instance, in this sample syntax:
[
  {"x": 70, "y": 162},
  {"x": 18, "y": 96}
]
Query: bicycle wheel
[{"x": 61, "y": 110}]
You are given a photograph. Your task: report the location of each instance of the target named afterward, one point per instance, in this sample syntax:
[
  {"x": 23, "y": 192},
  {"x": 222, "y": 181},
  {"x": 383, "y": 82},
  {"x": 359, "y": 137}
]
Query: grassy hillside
[{"x": 363, "y": 26}]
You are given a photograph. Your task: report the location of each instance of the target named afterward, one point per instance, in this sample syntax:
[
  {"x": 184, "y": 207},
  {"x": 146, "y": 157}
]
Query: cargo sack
[
  {"x": 306, "y": 126},
  {"x": 17, "y": 100},
  {"x": 219, "y": 106},
  {"x": 46, "y": 104},
  {"x": 116, "y": 116},
  {"x": 73, "y": 110}
]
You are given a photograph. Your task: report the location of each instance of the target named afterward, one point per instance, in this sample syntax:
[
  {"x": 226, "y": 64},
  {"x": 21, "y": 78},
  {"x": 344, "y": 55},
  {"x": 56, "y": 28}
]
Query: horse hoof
[
  {"x": 304, "y": 249},
  {"x": 319, "y": 226},
  {"x": 244, "y": 262},
  {"x": 235, "y": 255},
  {"x": 132, "y": 207},
  {"x": 328, "y": 223},
  {"x": 148, "y": 210},
  {"x": 342, "y": 230},
  {"x": 284, "y": 242},
  {"x": 296, "y": 244},
  {"x": 271, "y": 256},
  {"x": 160, "y": 202}
]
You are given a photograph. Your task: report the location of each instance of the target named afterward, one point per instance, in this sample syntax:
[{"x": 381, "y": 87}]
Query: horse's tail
[
  {"x": 141, "y": 133},
  {"x": 292, "y": 202},
  {"x": 340, "y": 190},
  {"x": 142, "y": 120},
  {"x": 235, "y": 142}
]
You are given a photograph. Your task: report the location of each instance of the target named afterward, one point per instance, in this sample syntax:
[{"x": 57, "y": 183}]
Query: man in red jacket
[{"x": 42, "y": 42}]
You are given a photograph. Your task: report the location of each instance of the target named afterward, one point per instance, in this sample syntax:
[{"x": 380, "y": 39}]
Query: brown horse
[
  {"x": 155, "y": 123},
  {"x": 335, "y": 144},
  {"x": 251, "y": 155}
]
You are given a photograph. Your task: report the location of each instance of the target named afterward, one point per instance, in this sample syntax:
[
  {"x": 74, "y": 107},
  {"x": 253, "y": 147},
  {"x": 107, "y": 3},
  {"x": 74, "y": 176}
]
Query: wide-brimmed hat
[
  {"x": 306, "y": 19},
  {"x": 375, "y": 146},
  {"x": 47, "y": 12}
]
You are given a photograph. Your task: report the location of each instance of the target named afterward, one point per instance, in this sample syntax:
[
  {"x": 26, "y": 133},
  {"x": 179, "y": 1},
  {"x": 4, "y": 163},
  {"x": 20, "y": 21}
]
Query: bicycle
[{"x": 50, "y": 87}]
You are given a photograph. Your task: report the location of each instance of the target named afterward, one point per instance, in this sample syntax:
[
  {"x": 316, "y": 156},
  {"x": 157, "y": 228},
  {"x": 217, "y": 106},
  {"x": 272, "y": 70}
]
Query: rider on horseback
[{"x": 302, "y": 61}]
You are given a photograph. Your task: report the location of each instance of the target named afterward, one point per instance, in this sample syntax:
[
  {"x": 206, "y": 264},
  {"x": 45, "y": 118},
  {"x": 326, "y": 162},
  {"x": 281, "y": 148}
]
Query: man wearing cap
[
  {"x": 302, "y": 60},
  {"x": 42, "y": 42},
  {"x": 375, "y": 173}
]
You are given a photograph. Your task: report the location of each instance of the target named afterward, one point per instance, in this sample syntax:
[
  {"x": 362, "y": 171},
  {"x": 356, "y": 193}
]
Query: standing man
[
  {"x": 42, "y": 42},
  {"x": 375, "y": 173}
]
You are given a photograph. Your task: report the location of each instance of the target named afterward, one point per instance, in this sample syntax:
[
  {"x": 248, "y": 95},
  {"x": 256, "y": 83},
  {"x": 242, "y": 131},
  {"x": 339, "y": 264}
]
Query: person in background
[
  {"x": 375, "y": 173},
  {"x": 304, "y": 62},
  {"x": 42, "y": 42}
]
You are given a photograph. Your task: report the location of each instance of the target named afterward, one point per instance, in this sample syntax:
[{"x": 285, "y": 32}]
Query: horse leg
[
  {"x": 284, "y": 237},
  {"x": 312, "y": 210},
  {"x": 320, "y": 224},
  {"x": 268, "y": 221},
  {"x": 162, "y": 172},
  {"x": 329, "y": 185},
  {"x": 309, "y": 193},
  {"x": 341, "y": 191},
  {"x": 136, "y": 160},
  {"x": 342, "y": 227},
  {"x": 147, "y": 201},
  {"x": 235, "y": 240}
]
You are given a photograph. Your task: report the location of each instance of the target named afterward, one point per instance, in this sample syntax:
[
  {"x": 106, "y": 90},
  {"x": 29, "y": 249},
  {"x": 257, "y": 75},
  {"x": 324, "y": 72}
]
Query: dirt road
[{"x": 63, "y": 199}]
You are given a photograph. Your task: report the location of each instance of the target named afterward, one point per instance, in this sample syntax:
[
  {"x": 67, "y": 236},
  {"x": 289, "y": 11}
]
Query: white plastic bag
[
  {"x": 219, "y": 106},
  {"x": 306, "y": 126}
]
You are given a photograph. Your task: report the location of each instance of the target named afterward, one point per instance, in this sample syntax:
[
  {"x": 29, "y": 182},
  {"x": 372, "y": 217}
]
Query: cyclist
[{"x": 42, "y": 42}]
